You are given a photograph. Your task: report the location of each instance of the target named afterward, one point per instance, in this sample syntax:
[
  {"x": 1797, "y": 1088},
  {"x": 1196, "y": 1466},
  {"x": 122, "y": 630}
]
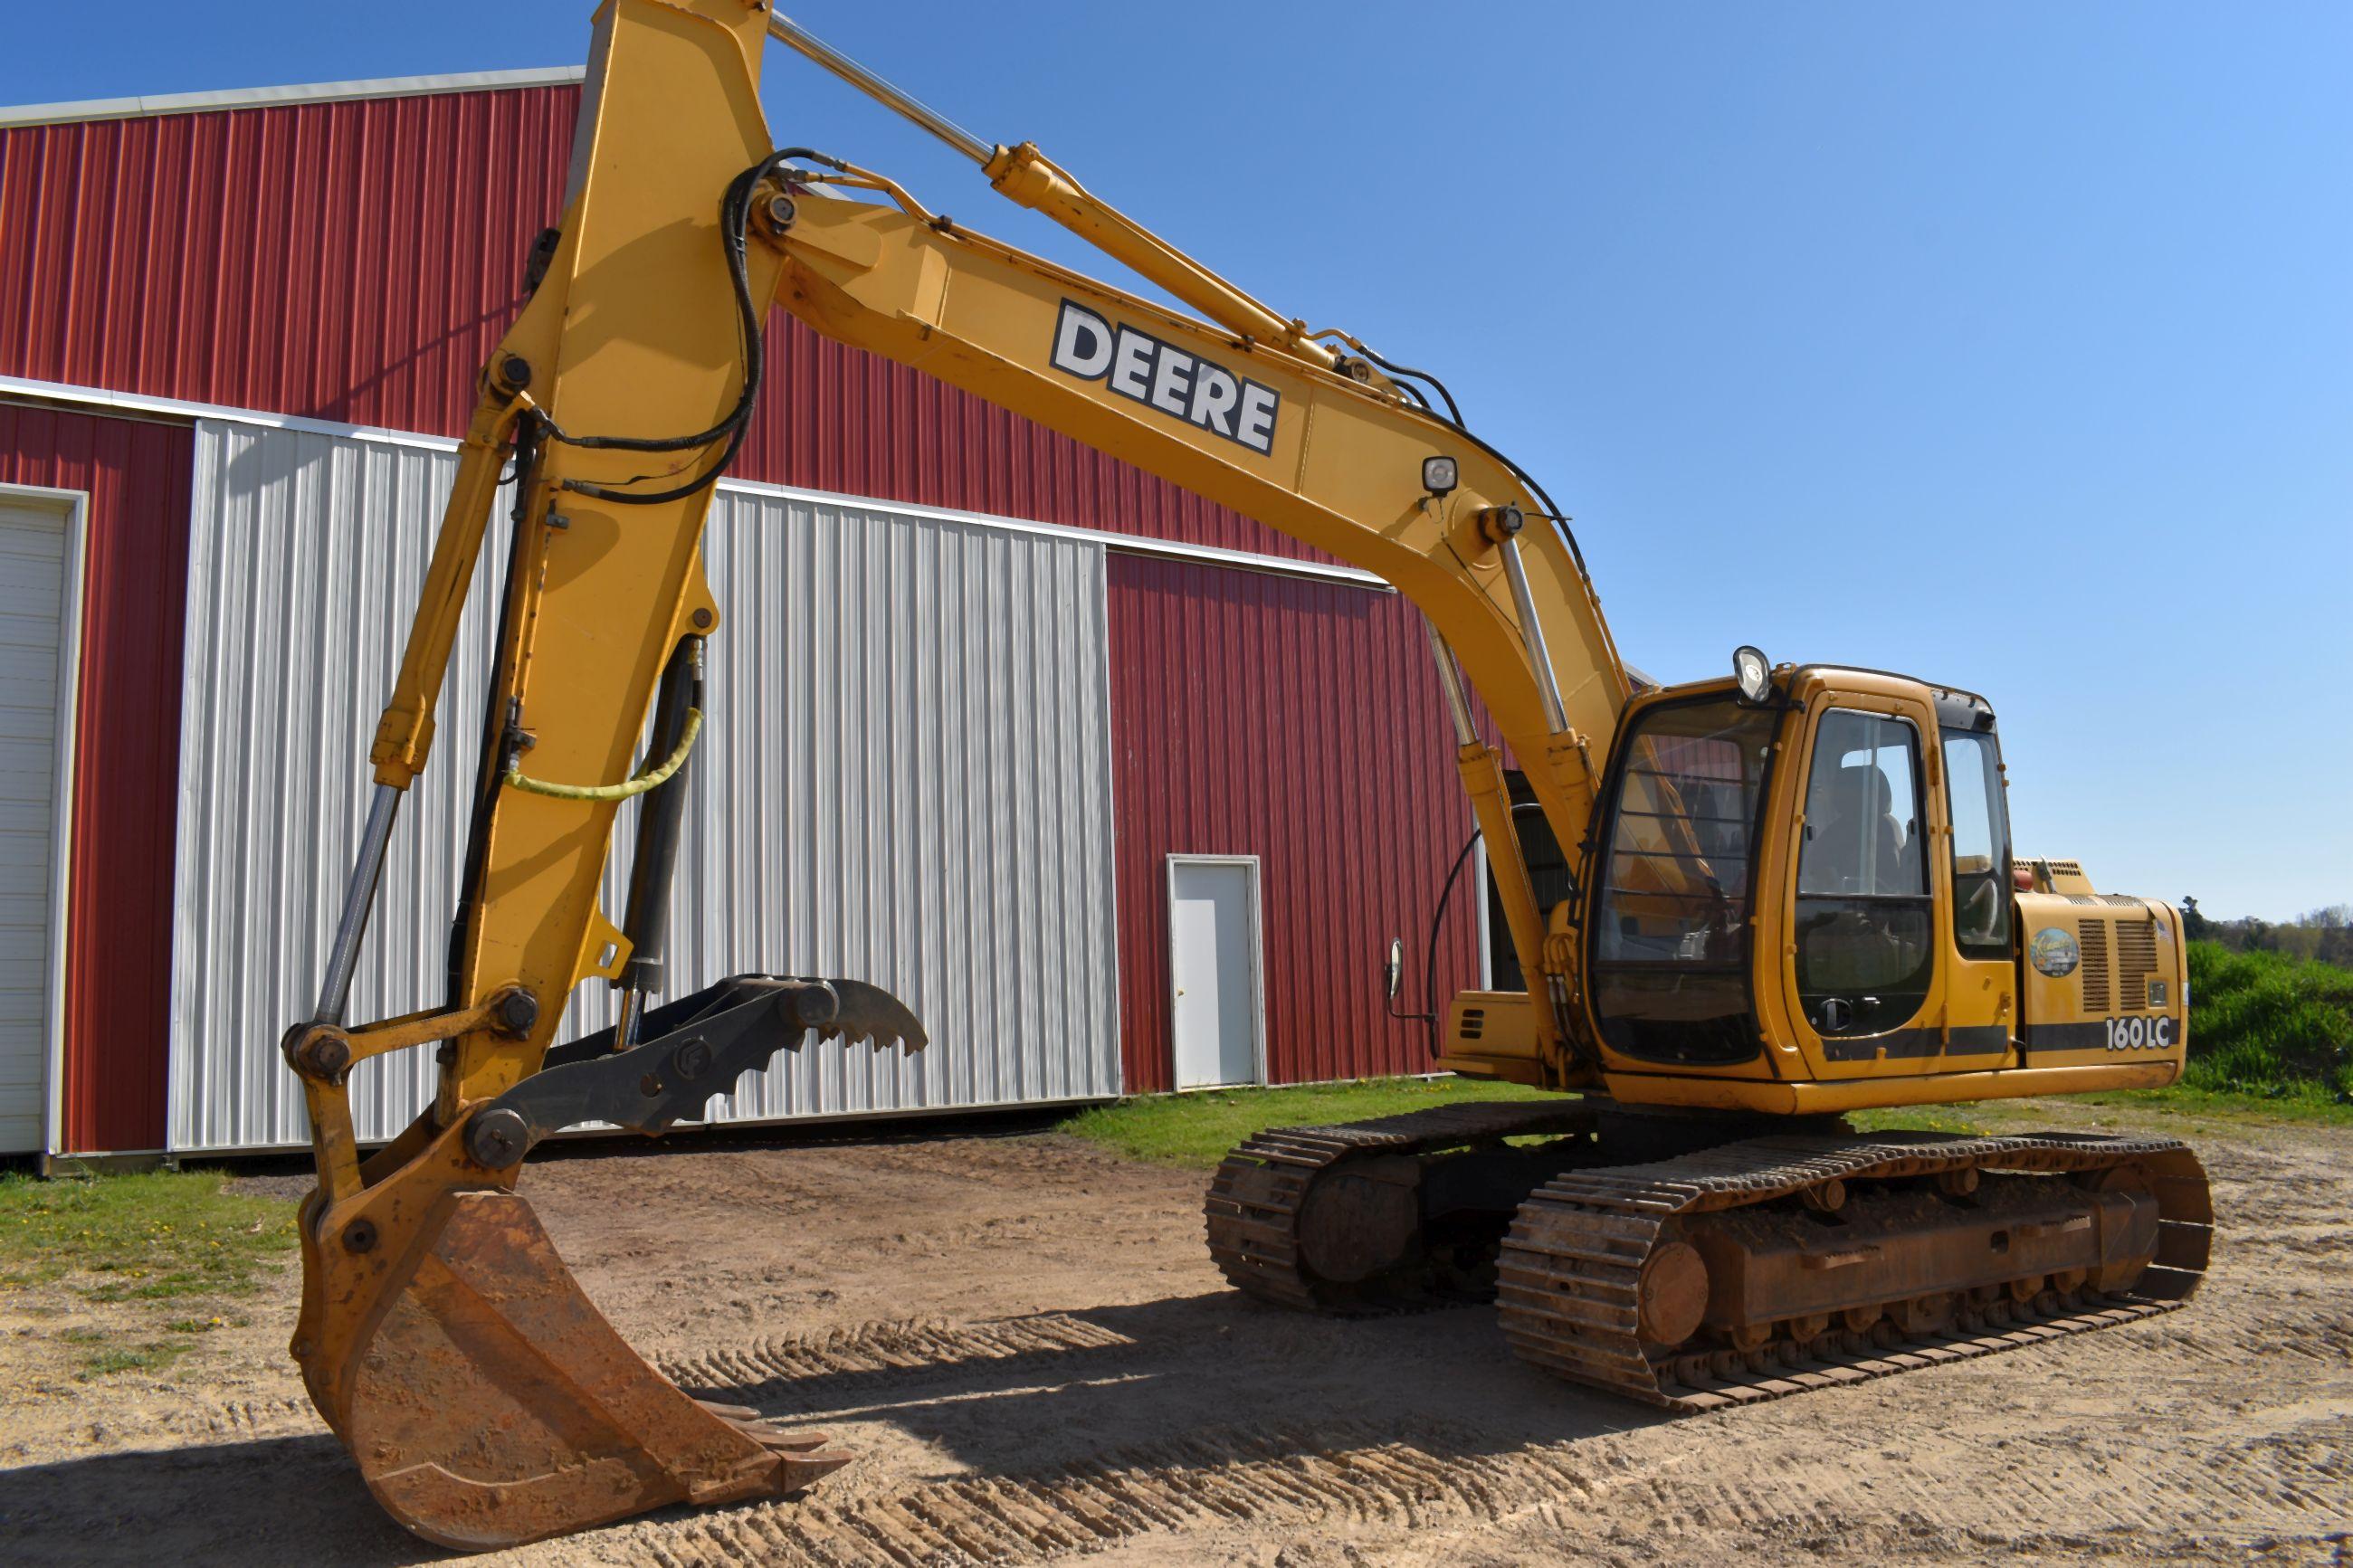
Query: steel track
[
  {"x": 1570, "y": 1269},
  {"x": 1255, "y": 1198}
]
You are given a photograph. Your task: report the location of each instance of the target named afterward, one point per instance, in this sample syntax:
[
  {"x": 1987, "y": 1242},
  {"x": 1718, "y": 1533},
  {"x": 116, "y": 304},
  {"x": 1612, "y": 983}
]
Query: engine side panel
[{"x": 2107, "y": 980}]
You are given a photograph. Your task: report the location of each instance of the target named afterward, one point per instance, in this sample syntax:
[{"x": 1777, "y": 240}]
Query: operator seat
[{"x": 1858, "y": 835}]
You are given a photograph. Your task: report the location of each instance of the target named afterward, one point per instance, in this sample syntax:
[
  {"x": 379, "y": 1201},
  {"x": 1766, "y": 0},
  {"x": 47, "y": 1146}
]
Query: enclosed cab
[{"x": 1800, "y": 891}]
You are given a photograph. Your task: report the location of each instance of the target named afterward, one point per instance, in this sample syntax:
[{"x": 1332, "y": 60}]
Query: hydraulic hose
[
  {"x": 651, "y": 778},
  {"x": 734, "y": 220}
]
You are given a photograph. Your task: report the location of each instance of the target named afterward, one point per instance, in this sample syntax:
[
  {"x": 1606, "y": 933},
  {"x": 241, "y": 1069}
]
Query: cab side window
[
  {"x": 1981, "y": 845},
  {"x": 1864, "y": 920}
]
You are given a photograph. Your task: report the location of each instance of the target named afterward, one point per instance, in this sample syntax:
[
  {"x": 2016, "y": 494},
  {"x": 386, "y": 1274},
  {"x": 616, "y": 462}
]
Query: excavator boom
[{"x": 1353, "y": 468}]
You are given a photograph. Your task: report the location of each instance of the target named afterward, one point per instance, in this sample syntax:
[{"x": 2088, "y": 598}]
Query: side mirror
[
  {"x": 1393, "y": 972},
  {"x": 1754, "y": 671}
]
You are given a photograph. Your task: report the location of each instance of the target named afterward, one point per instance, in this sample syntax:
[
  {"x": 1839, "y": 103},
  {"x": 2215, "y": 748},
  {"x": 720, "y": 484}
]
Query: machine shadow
[
  {"x": 1217, "y": 1362},
  {"x": 295, "y": 1500},
  {"x": 1181, "y": 1381}
]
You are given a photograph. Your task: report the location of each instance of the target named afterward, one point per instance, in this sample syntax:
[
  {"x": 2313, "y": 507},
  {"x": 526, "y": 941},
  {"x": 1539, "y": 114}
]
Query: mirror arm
[{"x": 1429, "y": 959}]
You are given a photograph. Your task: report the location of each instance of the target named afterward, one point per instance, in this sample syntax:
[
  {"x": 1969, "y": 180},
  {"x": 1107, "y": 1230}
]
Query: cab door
[
  {"x": 1860, "y": 964},
  {"x": 1981, "y": 997}
]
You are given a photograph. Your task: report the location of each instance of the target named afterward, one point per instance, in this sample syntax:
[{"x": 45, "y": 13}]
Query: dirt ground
[{"x": 1024, "y": 1342}]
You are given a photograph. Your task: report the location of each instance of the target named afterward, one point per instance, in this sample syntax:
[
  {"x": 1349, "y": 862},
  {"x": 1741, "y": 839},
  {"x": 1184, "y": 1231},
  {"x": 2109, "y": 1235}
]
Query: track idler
[{"x": 487, "y": 1401}]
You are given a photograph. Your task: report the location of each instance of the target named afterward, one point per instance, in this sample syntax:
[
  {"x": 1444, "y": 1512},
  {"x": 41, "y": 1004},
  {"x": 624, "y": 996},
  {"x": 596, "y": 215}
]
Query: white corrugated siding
[{"x": 906, "y": 779}]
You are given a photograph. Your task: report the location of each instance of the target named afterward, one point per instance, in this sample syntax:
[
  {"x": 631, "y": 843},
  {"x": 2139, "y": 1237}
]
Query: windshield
[
  {"x": 1676, "y": 888},
  {"x": 1670, "y": 917}
]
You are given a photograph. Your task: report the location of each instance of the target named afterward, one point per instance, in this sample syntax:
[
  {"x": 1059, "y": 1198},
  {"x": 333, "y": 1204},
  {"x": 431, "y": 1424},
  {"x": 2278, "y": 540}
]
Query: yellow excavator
[{"x": 1738, "y": 909}]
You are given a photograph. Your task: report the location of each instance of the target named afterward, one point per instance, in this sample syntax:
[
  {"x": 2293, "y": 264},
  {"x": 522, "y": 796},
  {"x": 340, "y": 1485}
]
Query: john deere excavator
[{"x": 1741, "y": 907}]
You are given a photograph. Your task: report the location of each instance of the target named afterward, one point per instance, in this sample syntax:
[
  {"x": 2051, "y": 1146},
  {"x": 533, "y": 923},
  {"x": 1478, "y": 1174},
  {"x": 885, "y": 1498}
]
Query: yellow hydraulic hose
[{"x": 649, "y": 779}]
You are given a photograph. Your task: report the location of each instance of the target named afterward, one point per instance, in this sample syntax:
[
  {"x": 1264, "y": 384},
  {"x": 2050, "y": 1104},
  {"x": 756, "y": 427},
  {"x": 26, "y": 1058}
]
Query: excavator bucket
[
  {"x": 493, "y": 1405},
  {"x": 486, "y": 1399}
]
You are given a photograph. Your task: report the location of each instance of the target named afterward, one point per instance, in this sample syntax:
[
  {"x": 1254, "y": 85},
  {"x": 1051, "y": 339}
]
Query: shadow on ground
[
  {"x": 264, "y": 1501},
  {"x": 1081, "y": 1385},
  {"x": 1023, "y": 1399}
]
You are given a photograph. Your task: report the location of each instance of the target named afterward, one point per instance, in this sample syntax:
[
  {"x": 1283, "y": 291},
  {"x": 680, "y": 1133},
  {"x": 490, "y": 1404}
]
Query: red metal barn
[{"x": 237, "y": 335}]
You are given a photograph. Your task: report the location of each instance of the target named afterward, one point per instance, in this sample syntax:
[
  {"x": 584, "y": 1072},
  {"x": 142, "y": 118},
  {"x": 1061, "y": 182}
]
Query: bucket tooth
[{"x": 730, "y": 1412}]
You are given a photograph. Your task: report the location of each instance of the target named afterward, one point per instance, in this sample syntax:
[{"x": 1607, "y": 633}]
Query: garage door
[{"x": 35, "y": 568}]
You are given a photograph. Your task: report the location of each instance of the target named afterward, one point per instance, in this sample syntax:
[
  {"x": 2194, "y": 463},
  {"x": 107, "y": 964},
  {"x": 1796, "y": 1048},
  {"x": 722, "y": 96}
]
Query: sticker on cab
[{"x": 2055, "y": 952}]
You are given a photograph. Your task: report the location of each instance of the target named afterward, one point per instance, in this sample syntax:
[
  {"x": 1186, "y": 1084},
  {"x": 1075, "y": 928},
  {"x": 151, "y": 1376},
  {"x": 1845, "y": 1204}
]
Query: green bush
[{"x": 2262, "y": 1023}]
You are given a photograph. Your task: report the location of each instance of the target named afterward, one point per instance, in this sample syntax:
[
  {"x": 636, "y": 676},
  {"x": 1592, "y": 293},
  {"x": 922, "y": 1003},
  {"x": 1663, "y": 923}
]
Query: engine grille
[
  {"x": 2135, "y": 962},
  {"x": 2093, "y": 936}
]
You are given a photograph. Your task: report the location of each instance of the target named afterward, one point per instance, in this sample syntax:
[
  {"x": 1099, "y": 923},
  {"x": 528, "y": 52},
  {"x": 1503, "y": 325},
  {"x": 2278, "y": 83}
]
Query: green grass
[
  {"x": 2195, "y": 1107},
  {"x": 2270, "y": 1027},
  {"x": 2211, "y": 1105},
  {"x": 152, "y": 1355},
  {"x": 1196, "y": 1130},
  {"x": 176, "y": 1236}
]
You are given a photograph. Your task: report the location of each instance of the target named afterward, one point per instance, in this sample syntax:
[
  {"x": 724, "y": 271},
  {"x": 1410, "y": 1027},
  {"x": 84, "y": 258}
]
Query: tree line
[{"x": 2326, "y": 934}]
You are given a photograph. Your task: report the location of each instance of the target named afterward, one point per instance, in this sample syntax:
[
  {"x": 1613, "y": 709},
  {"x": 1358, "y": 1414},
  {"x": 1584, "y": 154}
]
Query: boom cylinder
[{"x": 1532, "y": 627}]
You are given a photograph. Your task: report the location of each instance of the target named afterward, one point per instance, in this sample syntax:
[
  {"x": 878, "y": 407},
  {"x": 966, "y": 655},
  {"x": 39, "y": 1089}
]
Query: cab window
[
  {"x": 1864, "y": 920},
  {"x": 1980, "y": 844},
  {"x": 1671, "y": 913}
]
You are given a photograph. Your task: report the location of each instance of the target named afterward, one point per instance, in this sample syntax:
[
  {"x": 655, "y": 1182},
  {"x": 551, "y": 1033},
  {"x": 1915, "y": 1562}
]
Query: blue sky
[{"x": 2008, "y": 345}]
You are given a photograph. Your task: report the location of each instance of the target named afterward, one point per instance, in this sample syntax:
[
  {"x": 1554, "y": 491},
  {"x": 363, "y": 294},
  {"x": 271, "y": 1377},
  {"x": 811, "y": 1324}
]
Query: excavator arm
[{"x": 486, "y": 1400}]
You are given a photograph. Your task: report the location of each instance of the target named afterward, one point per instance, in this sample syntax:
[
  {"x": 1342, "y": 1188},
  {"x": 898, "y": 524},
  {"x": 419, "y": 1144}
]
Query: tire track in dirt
[
  {"x": 1202, "y": 1479},
  {"x": 216, "y": 1417},
  {"x": 2287, "y": 1489},
  {"x": 874, "y": 1352},
  {"x": 2327, "y": 1341},
  {"x": 1044, "y": 1366}
]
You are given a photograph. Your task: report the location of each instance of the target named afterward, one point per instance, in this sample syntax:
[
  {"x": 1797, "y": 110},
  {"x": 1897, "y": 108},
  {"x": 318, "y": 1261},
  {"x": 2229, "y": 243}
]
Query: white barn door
[
  {"x": 1218, "y": 1015},
  {"x": 39, "y": 578}
]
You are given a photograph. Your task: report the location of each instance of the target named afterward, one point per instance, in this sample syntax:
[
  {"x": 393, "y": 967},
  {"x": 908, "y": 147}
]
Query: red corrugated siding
[
  {"x": 126, "y": 756},
  {"x": 351, "y": 261},
  {"x": 357, "y": 261},
  {"x": 1299, "y": 722}
]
